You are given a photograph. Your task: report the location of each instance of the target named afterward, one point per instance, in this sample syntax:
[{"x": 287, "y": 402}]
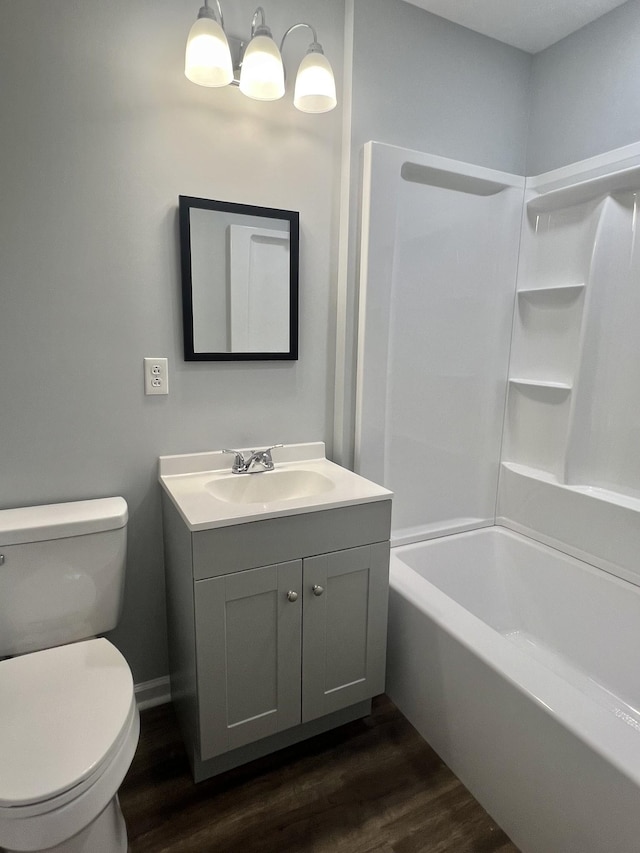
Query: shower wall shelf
[
  {"x": 546, "y": 384},
  {"x": 616, "y": 498},
  {"x": 593, "y": 524},
  {"x": 623, "y": 180},
  {"x": 529, "y": 471},
  {"x": 561, "y": 291}
]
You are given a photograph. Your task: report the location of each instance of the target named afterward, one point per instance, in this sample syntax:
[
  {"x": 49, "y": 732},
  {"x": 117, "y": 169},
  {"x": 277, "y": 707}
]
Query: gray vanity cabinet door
[
  {"x": 248, "y": 655},
  {"x": 344, "y": 628}
]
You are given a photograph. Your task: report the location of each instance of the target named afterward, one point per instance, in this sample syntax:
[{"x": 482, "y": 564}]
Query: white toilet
[{"x": 69, "y": 722}]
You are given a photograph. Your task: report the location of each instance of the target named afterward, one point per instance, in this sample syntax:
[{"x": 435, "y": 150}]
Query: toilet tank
[{"x": 61, "y": 572}]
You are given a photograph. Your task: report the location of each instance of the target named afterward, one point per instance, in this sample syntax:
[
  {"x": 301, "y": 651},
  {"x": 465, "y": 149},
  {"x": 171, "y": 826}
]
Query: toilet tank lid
[{"x": 57, "y": 521}]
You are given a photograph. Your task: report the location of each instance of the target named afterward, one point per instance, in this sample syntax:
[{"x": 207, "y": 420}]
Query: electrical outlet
[{"x": 156, "y": 376}]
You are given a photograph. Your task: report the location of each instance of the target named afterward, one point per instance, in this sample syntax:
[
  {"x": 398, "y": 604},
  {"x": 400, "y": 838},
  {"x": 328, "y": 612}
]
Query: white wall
[
  {"x": 586, "y": 92},
  {"x": 100, "y": 134},
  {"x": 439, "y": 269}
]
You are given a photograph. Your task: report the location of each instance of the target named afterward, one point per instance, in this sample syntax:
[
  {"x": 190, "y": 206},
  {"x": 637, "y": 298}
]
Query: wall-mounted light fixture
[{"x": 214, "y": 58}]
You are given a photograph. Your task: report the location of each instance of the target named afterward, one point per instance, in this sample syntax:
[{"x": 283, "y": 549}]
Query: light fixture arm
[
  {"x": 263, "y": 29},
  {"x": 207, "y": 12},
  {"x": 297, "y": 26}
]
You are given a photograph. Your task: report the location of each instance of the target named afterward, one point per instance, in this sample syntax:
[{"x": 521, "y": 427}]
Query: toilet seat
[{"x": 65, "y": 713}]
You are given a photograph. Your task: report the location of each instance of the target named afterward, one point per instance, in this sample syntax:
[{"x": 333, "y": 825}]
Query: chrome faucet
[{"x": 262, "y": 458}]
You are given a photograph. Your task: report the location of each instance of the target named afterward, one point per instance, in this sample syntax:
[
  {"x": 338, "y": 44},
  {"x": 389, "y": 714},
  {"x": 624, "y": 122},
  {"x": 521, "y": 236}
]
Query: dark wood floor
[{"x": 373, "y": 786}]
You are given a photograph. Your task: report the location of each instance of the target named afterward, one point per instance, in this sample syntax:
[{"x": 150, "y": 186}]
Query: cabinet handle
[
  {"x": 292, "y": 595},
  {"x": 317, "y": 589}
]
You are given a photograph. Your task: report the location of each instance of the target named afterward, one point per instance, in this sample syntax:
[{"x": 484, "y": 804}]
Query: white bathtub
[{"x": 521, "y": 667}]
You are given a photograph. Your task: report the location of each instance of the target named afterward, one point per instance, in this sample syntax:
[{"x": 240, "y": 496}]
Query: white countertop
[{"x": 185, "y": 477}]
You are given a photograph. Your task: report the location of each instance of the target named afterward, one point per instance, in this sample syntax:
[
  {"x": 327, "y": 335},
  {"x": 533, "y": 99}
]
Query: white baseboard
[{"x": 152, "y": 693}]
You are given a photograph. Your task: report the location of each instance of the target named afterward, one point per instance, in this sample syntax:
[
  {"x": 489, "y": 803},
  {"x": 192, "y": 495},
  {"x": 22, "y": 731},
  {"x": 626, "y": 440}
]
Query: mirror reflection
[{"x": 239, "y": 281}]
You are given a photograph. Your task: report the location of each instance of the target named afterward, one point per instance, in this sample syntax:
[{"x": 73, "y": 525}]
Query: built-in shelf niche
[
  {"x": 557, "y": 246},
  {"x": 537, "y": 425},
  {"x": 546, "y": 334},
  {"x": 546, "y": 346}
]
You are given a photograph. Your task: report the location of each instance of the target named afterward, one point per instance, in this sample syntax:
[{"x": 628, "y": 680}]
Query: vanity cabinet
[
  {"x": 285, "y": 644},
  {"x": 277, "y": 628}
]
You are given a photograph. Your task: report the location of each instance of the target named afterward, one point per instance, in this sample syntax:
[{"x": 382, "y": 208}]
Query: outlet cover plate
[{"x": 156, "y": 376}]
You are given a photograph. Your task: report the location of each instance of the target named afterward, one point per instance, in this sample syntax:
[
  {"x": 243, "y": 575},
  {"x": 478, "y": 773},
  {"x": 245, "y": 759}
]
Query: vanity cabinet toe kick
[{"x": 277, "y": 628}]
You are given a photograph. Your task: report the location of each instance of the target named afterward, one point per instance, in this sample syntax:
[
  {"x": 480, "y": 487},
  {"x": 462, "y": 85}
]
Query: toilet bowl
[
  {"x": 69, "y": 727},
  {"x": 69, "y": 722}
]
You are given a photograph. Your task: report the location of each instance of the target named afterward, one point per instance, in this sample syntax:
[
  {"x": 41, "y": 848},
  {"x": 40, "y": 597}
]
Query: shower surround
[{"x": 499, "y": 383}]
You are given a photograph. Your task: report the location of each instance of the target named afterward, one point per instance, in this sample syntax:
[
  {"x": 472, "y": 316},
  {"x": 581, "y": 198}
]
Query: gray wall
[
  {"x": 421, "y": 82},
  {"x": 586, "y": 92},
  {"x": 100, "y": 134}
]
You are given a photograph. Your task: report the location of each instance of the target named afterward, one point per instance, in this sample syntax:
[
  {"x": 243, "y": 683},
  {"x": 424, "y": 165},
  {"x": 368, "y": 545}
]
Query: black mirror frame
[{"x": 185, "y": 203}]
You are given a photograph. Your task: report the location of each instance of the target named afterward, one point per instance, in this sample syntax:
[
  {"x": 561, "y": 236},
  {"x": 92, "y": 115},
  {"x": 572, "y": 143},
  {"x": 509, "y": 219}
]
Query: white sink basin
[
  {"x": 208, "y": 495},
  {"x": 267, "y": 486}
]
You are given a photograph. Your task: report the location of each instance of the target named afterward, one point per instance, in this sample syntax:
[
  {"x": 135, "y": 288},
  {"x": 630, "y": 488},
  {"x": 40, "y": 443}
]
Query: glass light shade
[
  {"x": 262, "y": 74},
  {"x": 208, "y": 58},
  {"x": 315, "y": 90}
]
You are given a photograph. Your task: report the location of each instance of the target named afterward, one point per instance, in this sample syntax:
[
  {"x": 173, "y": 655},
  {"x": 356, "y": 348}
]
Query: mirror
[{"x": 239, "y": 281}]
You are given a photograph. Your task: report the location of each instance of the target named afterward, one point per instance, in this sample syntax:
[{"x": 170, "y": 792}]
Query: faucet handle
[
  {"x": 264, "y": 456},
  {"x": 239, "y": 464}
]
